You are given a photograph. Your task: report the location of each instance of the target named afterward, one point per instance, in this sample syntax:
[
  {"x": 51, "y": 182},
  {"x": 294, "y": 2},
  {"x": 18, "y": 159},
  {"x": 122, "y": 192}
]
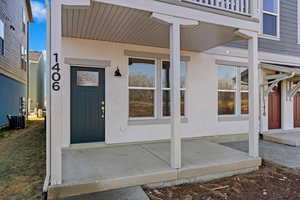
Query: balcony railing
[{"x": 235, "y": 6}]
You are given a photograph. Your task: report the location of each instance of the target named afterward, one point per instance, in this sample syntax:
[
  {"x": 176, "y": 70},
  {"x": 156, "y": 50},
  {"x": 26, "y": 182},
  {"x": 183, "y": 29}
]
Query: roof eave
[{"x": 29, "y": 11}]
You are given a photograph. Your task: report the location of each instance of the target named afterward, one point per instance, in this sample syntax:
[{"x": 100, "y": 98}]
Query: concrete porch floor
[
  {"x": 288, "y": 138},
  {"x": 89, "y": 170}
]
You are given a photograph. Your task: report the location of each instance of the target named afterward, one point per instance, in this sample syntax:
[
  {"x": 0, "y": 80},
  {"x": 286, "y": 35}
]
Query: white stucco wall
[{"x": 201, "y": 94}]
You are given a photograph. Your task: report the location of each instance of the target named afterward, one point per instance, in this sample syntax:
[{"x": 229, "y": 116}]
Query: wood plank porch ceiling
[{"x": 120, "y": 24}]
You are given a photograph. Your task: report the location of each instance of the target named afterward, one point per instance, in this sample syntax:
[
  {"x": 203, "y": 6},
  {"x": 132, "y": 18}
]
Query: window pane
[
  {"x": 270, "y": 25},
  {"x": 141, "y": 103},
  {"x": 182, "y": 103},
  {"x": 141, "y": 72},
  {"x": 226, "y": 103},
  {"x": 166, "y": 103},
  {"x": 167, "y": 106},
  {"x": 165, "y": 74},
  {"x": 226, "y": 78},
  {"x": 244, "y": 78},
  {"x": 271, "y": 6},
  {"x": 1, "y": 29},
  {"x": 244, "y": 103}
]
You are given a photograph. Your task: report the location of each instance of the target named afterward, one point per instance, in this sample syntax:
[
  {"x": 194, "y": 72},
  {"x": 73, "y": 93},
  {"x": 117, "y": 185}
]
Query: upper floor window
[
  {"x": 24, "y": 20},
  {"x": 1, "y": 37},
  {"x": 270, "y": 21},
  {"x": 232, "y": 90},
  {"x": 23, "y": 58}
]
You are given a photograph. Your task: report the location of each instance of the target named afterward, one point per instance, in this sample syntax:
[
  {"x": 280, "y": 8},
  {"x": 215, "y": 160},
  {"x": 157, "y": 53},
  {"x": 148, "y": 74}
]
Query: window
[
  {"x": 146, "y": 98},
  {"x": 24, "y": 20},
  {"x": 165, "y": 81},
  {"x": 142, "y": 87},
  {"x": 1, "y": 38},
  {"x": 270, "y": 18},
  {"x": 232, "y": 90},
  {"x": 23, "y": 58}
]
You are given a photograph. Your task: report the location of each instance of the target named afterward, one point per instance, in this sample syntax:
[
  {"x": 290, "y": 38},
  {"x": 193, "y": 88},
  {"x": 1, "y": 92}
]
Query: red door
[
  {"x": 297, "y": 110},
  {"x": 274, "y": 109}
]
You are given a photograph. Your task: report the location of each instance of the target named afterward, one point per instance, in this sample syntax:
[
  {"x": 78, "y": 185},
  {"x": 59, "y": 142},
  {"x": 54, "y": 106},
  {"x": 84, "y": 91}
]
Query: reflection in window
[
  {"x": 244, "y": 90},
  {"x": 270, "y": 17},
  {"x": 165, "y": 81},
  {"x": 232, "y": 83},
  {"x": 141, "y": 87},
  {"x": 141, "y": 103}
]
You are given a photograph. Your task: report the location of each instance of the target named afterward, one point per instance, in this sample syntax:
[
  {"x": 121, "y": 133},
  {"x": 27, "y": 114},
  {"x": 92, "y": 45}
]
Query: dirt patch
[
  {"x": 271, "y": 182},
  {"x": 22, "y": 162}
]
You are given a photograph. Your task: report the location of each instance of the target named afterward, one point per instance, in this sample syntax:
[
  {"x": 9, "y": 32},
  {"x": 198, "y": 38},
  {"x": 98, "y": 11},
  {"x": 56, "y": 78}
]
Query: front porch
[
  {"x": 100, "y": 168},
  {"x": 288, "y": 137}
]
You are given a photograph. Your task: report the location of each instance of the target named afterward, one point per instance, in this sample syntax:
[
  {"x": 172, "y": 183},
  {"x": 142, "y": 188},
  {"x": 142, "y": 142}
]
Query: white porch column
[
  {"x": 55, "y": 104},
  {"x": 253, "y": 90},
  {"x": 175, "y": 24},
  {"x": 253, "y": 95},
  {"x": 175, "y": 95},
  {"x": 287, "y": 106}
]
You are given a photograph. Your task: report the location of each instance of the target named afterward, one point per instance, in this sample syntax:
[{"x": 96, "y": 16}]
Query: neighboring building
[
  {"x": 36, "y": 82},
  {"x": 279, "y": 56},
  {"x": 127, "y": 71},
  {"x": 14, "y": 18}
]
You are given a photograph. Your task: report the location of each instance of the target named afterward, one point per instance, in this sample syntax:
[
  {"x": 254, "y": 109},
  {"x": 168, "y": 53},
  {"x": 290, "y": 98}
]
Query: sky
[{"x": 38, "y": 28}]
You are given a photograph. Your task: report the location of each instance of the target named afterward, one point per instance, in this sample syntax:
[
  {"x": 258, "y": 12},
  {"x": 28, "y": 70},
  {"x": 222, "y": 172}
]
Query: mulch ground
[
  {"x": 271, "y": 182},
  {"x": 22, "y": 162}
]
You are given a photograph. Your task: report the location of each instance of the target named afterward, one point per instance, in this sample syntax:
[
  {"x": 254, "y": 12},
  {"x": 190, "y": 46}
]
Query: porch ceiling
[{"x": 107, "y": 22}]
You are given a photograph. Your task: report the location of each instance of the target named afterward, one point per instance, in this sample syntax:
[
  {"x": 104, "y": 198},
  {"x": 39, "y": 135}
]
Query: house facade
[
  {"x": 36, "y": 82},
  {"x": 124, "y": 72},
  {"x": 14, "y": 18},
  {"x": 279, "y": 52}
]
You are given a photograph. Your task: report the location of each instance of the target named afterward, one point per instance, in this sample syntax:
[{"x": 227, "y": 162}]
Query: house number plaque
[{"x": 55, "y": 75}]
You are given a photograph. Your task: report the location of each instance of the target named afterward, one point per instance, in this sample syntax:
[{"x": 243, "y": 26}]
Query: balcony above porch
[
  {"x": 247, "y": 8},
  {"x": 132, "y": 22}
]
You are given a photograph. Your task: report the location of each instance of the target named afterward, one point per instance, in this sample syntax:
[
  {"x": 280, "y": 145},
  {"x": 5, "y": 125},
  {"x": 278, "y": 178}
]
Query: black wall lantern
[{"x": 118, "y": 73}]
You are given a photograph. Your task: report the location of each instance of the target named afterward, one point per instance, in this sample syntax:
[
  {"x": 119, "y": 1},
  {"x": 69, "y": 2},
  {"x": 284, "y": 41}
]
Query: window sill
[
  {"x": 269, "y": 37},
  {"x": 153, "y": 121},
  {"x": 232, "y": 118}
]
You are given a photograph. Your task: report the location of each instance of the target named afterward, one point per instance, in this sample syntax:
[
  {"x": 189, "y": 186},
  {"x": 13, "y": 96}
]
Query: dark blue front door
[{"x": 87, "y": 105}]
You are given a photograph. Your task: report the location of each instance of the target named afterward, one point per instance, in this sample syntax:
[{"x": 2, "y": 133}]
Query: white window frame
[
  {"x": 169, "y": 89},
  {"x": 266, "y": 36},
  {"x": 238, "y": 91},
  {"x": 144, "y": 88}
]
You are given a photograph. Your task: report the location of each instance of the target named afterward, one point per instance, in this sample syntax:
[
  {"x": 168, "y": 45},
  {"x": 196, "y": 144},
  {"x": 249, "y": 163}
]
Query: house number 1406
[{"x": 55, "y": 76}]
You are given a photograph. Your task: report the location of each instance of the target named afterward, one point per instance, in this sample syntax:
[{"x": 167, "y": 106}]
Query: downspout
[
  {"x": 27, "y": 65},
  {"x": 48, "y": 105}
]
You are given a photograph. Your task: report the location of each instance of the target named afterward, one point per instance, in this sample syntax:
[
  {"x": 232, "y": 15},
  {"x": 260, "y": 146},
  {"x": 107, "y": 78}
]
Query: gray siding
[
  {"x": 11, "y": 15},
  {"x": 288, "y": 33}
]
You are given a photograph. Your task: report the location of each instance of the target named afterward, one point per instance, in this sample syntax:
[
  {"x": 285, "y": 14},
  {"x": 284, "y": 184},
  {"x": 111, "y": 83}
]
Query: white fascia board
[{"x": 183, "y": 12}]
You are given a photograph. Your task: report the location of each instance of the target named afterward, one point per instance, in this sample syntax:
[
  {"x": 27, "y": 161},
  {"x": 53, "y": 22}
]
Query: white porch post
[
  {"x": 56, "y": 123},
  {"x": 175, "y": 23},
  {"x": 253, "y": 95},
  {"x": 175, "y": 95},
  {"x": 287, "y": 106}
]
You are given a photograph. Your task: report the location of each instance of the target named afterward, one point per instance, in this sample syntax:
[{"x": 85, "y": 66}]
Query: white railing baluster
[
  {"x": 238, "y": 5},
  {"x": 235, "y": 6}
]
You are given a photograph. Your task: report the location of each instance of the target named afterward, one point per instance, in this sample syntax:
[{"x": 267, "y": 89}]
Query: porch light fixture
[{"x": 118, "y": 73}]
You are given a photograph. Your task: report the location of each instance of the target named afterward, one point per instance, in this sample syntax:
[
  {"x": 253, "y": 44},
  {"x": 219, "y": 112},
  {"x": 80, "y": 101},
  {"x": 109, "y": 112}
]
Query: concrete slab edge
[
  {"x": 207, "y": 173},
  {"x": 280, "y": 140}
]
